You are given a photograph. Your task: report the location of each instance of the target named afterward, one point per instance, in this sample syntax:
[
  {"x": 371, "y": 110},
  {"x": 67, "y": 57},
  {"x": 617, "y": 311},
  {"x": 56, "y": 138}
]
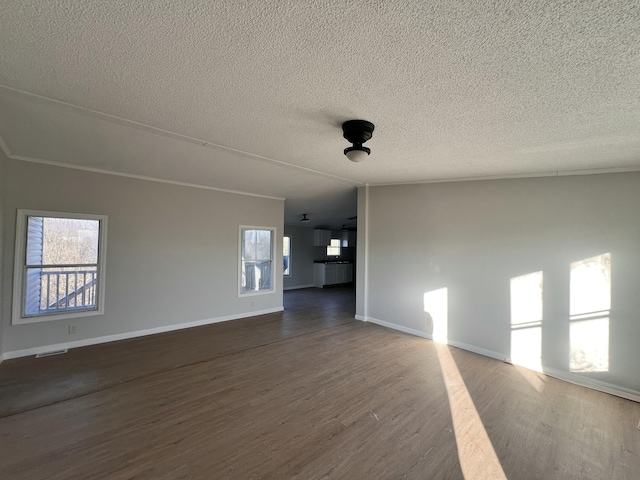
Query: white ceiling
[{"x": 250, "y": 96}]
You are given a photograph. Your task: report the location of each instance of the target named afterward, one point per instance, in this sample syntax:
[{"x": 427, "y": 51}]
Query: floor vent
[{"x": 48, "y": 354}]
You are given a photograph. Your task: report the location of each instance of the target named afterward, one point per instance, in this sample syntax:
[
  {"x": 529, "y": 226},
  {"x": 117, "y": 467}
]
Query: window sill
[
  {"x": 252, "y": 293},
  {"x": 55, "y": 316}
]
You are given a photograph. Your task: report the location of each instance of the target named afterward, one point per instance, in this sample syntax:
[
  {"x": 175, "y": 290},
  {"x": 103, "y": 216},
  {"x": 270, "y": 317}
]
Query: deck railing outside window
[{"x": 64, "y": 289}]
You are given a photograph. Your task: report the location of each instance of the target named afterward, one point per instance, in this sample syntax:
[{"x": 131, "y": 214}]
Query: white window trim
[
  {"x": 274, "y": 244},
  {"x": 20, "y": 262}
]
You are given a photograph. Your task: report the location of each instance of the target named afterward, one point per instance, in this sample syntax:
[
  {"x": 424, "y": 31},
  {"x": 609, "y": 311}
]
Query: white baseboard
[
  {"x": 395, "y": 326},
  {"x": 140, "y": 333},
  {"x": 296, "y": 287},
  {"x": 479, "y": 350},
  {"x": 593, "y": 384},
  {"x": 552, "y": 372}
]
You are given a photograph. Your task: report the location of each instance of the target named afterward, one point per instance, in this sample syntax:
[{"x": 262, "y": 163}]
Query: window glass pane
[
  {"x": 286, "y": 255},
  {"x": 286, "y": 246},
  {"x": 264, "y": 244},
  {"x": 249, "y": 245},
  {"x": 34, "y": 240},
  {"x": 62, "y": 241},
  {"x": 264, "y": 268},
  {"x": 333, "y": 249}
]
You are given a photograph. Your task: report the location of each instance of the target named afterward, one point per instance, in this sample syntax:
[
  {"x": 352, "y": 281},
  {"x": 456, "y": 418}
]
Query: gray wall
[
  {"x": 302, "y": 257},
  {"x": 472, "y": 238},
  {"x": 171, "y": 250}
]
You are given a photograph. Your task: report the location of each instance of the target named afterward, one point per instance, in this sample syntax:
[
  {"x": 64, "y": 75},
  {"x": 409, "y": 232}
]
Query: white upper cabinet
[
  {"x": 348, "y": 239},
  {"x": 321, "y": 238}
]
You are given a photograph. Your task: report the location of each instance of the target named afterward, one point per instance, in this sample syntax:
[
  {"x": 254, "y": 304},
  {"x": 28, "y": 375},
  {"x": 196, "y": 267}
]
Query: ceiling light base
[{"x": 357, "y": 131}]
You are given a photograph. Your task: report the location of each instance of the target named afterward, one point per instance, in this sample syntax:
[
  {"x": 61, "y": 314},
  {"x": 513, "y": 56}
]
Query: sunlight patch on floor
[
  {"x": 534, "y": 378},
  {"x": 478, "y": 459}
]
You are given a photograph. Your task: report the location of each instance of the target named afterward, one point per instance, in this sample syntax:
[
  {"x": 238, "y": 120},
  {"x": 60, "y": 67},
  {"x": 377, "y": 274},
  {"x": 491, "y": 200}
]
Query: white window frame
[
  {"x": 20, "y": 267},
  {"x": 274, "y": 259}
]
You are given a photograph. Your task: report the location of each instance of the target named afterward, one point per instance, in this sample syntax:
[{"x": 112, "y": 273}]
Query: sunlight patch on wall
[
  {"x": 590, "y": 345},
  {"x": 478, "y": 459},
  {"x": 526, "y": 320},
  {"x": 589, "y": 309},
  {"x": 437, "y": 306}
]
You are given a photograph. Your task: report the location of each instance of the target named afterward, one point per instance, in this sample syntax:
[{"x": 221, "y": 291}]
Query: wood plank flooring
[{"x": 308, "y": 393}]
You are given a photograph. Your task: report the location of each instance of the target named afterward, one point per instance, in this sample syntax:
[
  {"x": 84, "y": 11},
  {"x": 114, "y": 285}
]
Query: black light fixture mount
[
  {"x": 304, "y": 218},
  {"x": 357, "y": 132}
]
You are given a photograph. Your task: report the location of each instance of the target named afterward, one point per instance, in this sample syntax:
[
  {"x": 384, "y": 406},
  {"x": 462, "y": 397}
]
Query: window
[
  {"x": 333, "y": 250},
  {"x": 256, "y": 260},
  {"x": 286, "y": 256},
  {"x": 59, "y": 266}
]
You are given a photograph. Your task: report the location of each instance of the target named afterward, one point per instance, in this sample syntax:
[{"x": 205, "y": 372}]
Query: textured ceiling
[{"x": 250, "y": 95}]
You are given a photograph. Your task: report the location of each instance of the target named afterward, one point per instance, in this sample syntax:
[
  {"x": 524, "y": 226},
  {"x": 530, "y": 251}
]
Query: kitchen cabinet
[
  {"x": 349, "y": 239},
  {"x": 329, "y": 275},
  {"x": 332, "y": 274},
  {"x": 321, "y": 238}
]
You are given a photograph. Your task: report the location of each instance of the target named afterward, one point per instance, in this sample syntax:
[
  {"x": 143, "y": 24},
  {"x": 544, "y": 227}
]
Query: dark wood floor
[{"x": 308, "y": 393}]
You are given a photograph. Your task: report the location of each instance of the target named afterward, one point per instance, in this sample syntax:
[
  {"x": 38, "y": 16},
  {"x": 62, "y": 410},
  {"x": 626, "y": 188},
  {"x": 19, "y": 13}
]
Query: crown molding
[
  {"x": 566, "y": 173},
  {"x": 4, "y": 147},
  {"x": 168, "y": 134}
]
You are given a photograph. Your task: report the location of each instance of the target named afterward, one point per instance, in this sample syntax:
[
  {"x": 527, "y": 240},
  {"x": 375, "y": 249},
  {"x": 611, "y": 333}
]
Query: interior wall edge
[{"x": 362, "y": 254}]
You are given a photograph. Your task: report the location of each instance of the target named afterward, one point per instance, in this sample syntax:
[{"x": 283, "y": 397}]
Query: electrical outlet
[
  {"x": 429, "y": 321},
  {"x": 72, "y": 329},
  {"x": 253, "y": 304}
]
